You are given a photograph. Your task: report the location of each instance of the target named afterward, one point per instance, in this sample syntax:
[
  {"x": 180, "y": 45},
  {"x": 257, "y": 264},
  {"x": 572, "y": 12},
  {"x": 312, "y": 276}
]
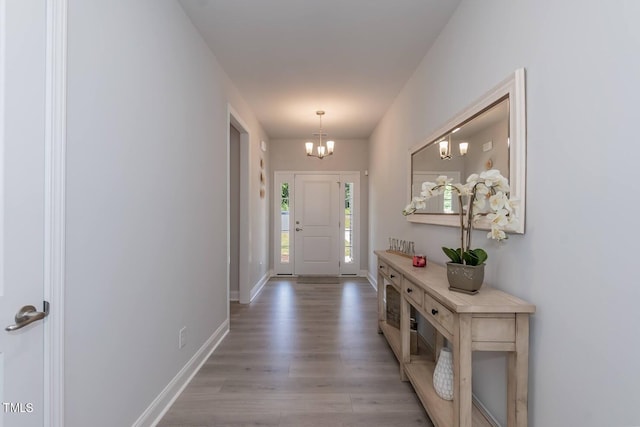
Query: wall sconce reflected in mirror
[
  {"x": 464, "y": 146},
  {"x": 445, "y": 149}
]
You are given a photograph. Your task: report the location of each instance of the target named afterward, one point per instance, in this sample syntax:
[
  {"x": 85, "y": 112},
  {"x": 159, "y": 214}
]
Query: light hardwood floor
[{"x": 301, "y": 355}]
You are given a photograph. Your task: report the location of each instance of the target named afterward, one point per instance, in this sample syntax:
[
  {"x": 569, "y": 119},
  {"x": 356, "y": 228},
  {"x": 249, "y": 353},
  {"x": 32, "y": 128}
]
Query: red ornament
[{"x": 419, "y": 261}]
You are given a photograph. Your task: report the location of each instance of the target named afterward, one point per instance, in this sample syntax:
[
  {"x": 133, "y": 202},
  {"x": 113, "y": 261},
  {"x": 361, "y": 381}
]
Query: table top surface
[{"x": 433, "y": 278}]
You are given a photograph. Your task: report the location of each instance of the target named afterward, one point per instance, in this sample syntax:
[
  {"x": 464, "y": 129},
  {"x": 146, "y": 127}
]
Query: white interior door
[
  {"x": 316, "y": 223},
  {"x": 22, "y": 132}
]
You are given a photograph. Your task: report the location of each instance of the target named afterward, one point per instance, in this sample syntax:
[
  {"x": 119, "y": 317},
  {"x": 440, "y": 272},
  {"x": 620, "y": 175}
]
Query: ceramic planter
[{"x": 465, "y": 278}]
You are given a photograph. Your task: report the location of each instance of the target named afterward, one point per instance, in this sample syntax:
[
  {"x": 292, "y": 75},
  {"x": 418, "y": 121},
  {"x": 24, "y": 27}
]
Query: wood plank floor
[{"x": 301, "y": 355}]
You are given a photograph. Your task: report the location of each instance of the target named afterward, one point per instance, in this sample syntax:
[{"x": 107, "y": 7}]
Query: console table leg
[
  {"x": 438, "y": 339},
  {"x": 518, "y": 376},
  {"x": 381, "y": 306},
  {"x": 405, "y": 337},
  {"x": 463, "y": 405}
]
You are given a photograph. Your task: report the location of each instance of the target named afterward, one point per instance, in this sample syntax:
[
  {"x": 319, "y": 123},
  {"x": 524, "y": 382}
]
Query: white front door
[
  {"x": 316, "y": 225},
  {"x": 22, "y": 134}
]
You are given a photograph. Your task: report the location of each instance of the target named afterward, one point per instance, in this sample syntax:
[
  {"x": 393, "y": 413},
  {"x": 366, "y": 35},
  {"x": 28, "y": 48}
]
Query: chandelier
[{"x": 321, "y": 151}]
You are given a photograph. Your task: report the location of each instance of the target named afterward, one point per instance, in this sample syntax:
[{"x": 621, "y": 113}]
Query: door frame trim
[
  {"x": 55, "y": 142},
  {"x": 276, "y": 213},
  {"x": 244, "y": 288}
]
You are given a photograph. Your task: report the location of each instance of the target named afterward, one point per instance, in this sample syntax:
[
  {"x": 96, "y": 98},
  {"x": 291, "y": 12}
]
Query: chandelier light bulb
[{"x": 444, "y": 149}]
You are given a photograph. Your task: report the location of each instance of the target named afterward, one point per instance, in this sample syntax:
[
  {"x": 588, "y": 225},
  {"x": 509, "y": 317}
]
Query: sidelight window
[
  {"x": 284, "y": 223},
  {"x": 348, "y": 223}
]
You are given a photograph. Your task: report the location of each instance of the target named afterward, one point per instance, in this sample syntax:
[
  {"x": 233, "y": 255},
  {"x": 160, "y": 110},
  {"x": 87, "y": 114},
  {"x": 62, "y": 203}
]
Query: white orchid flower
[
  {"x": 502, "y": 184},
  {"x": 499, "y": 201},
  {"x": 409, "y": 209},
  {"x": 416, "y": 203},
  {"x": 462, "y": 190},
  {"x": 490, "y": 176},
  {"x": 512, "y": 204},
  {"x": 479, "y": 203},
  {"x": 435, "y": 191},
  {"x": 499, "y": 218},
  {"x": 496, "y": 234},
  {"x": 428, "y": 189},
  {"x": 493, "y": 179},
  {"x": 489, "y": 196},
  {"x": 482, "y": 190},
  {"x": 428, "y": 185},
  {"x": 443, "y": 180}
]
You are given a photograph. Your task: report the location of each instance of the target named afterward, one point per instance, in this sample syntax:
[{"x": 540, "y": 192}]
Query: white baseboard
[
  {"x": 161, "y": 404},
  {"x": 372, "y": 279},
  {"x": 258, "y": 286},
  {"x": 234, "y": 295}
]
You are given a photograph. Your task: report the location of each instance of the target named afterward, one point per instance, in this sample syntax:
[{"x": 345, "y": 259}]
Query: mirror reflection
[{"x": 480, "y": 143}]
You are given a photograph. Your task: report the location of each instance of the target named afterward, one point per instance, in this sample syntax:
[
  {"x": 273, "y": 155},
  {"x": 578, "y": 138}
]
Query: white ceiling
[{"x": 290, "y": 58}]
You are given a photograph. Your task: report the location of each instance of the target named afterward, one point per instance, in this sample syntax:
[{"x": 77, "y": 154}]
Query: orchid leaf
[
  {"x": 454, "y": 255},
  {"x": 475, "y": 256},
  {"x": 481, "y": 254},
  {"x": 470, "y": 258}
]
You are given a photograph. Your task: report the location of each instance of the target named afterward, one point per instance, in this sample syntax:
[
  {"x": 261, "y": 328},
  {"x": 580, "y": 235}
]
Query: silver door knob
[
  {"x": 27, "y": 315},
  {"x": 298, "y": 229}
]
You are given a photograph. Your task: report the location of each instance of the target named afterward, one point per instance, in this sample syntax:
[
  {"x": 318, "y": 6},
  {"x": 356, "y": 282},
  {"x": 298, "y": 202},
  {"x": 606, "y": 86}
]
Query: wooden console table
[{"x": 491, "y": 320}]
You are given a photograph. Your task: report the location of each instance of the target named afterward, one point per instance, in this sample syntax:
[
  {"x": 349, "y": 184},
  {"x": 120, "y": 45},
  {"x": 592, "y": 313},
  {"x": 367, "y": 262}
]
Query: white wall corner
[
  {"x": 258, "y": 286},
  {"x": 161, "y": 404}
]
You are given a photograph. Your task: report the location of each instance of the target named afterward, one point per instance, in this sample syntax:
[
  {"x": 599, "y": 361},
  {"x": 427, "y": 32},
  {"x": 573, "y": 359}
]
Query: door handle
[
  {"x": 298, "y": 229},
  {"x": 27, "y": 315}
]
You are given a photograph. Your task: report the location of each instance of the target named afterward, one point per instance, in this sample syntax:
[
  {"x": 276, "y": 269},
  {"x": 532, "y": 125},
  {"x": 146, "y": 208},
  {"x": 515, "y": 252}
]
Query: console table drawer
[
  {"x": 413, "y": 292},
  {"x": 439, "y": 313},
  {"x": 394, "y": 276},
  {"x": 383, "y": 267}
]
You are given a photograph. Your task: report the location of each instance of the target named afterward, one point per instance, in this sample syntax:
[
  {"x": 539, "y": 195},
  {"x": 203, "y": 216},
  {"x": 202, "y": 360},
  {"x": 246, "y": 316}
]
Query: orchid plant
[{"x": 488, "y": 196}]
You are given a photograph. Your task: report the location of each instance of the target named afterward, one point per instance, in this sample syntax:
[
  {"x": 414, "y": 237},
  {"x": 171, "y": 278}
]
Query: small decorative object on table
[
  {"x": 401, "y": 247},
  {"x": 443, "y": 375},
  {"x": 419, "y": 261},
  {"x": 488, "y": 195}
]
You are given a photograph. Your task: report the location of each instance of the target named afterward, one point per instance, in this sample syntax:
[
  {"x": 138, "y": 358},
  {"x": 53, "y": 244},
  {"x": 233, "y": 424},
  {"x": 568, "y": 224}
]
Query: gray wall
[
  {"x": 349, "y": 155},
  {"x": 582, "y": 96},
  {"x": 146, "y": 204}
]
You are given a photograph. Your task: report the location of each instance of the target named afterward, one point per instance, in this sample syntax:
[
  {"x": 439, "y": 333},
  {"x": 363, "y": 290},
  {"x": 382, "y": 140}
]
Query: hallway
[{"x": 301, "y": 355}]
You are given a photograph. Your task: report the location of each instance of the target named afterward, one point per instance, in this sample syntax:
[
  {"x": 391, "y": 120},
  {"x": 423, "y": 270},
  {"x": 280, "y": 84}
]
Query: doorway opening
[
  {"x": 238, "y": 215},
  {"x": 234, "y": 213}
]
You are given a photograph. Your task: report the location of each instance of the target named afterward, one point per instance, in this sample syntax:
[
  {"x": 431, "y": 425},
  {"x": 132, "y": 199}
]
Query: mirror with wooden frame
[{"x": 489, "y": 134}]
